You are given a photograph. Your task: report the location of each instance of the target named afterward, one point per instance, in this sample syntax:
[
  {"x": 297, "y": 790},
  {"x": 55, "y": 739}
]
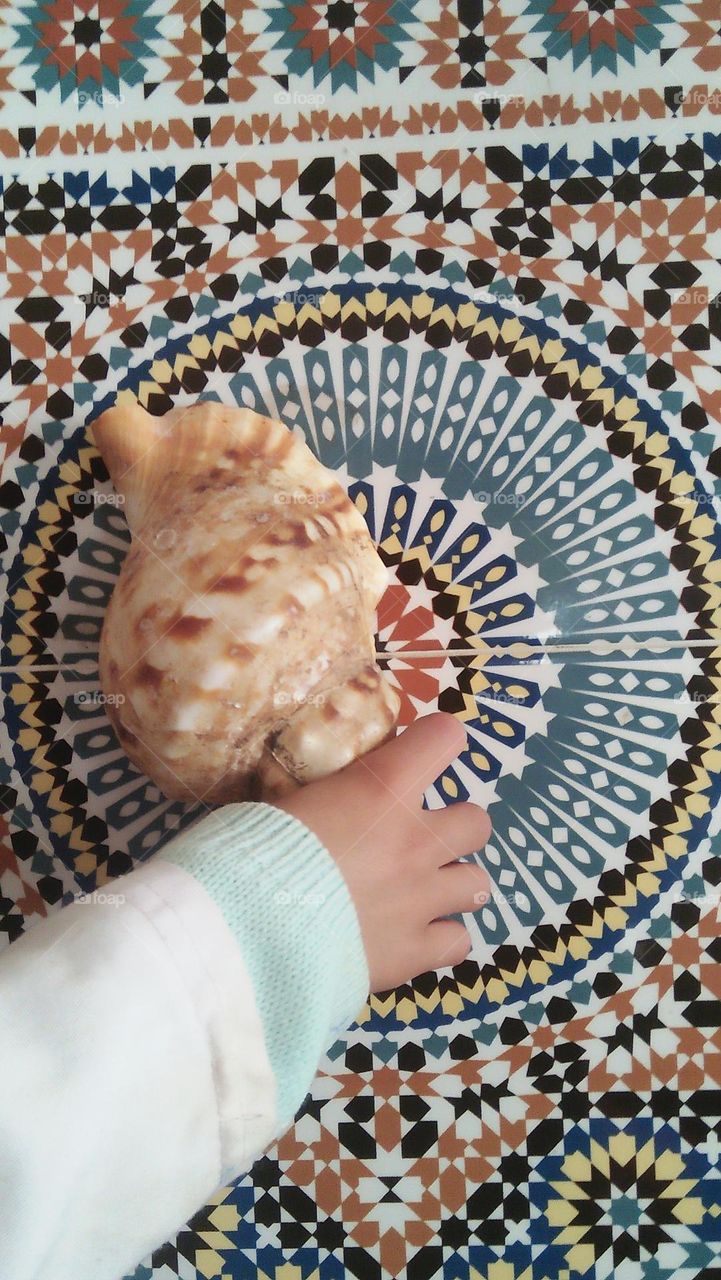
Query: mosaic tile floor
[{"x": 471, "y": 249}]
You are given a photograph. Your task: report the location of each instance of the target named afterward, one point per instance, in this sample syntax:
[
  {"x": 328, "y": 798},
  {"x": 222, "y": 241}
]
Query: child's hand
[{"x": 400, "y": 861}]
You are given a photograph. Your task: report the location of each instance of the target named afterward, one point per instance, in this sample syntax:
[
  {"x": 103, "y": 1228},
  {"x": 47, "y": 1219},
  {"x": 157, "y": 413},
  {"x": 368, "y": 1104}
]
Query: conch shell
[{"x": 238, "y": 645}]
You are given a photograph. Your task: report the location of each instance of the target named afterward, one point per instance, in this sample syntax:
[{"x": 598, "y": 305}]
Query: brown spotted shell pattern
[{"x": 238, "y": 643}]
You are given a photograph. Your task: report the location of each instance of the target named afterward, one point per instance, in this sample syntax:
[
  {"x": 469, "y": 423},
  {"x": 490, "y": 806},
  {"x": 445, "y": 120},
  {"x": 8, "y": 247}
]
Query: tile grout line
[{"x": 432, "y": 656}]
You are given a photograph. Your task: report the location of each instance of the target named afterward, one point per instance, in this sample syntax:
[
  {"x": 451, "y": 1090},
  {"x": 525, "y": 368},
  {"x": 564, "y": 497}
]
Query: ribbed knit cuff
[{"x": 290, "y": 911}]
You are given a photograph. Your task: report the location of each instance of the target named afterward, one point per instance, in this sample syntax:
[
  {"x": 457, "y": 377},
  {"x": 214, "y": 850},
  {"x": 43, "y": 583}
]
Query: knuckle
[
  {"x": 476, "y": 813},
  {"x": 477, "y": 821},
  {"x": 397, "y": 859}
]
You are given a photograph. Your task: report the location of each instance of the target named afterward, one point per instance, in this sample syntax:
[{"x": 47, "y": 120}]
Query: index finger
[{"x": 414, "y": 759}]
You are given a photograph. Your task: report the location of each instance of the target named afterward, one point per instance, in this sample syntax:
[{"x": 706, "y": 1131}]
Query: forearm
[{"x": 152, "y": 1048}]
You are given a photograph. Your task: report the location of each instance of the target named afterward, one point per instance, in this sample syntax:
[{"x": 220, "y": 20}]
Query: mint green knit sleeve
[{"x": 292, "y": 916}]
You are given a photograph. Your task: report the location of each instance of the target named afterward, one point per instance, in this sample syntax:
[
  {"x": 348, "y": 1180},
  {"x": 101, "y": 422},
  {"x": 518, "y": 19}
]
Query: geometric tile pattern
[
  {"x": 471, "y": 251},
  {"x": 623, "y": 232},
  {"x": 591, "y": 1146},
  {"x": 129, "y": 75}
]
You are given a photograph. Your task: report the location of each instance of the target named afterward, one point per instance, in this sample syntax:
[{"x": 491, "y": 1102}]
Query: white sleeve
[
  {"x": 156, "y": 1038},
  {"x": 134, "y": 1076}
]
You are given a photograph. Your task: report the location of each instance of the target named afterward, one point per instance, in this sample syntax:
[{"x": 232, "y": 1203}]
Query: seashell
[{"x": 238, "y": 643}]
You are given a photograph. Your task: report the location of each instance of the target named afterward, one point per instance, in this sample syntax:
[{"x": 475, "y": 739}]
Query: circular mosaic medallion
[{"x": 534, "y": 515}]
